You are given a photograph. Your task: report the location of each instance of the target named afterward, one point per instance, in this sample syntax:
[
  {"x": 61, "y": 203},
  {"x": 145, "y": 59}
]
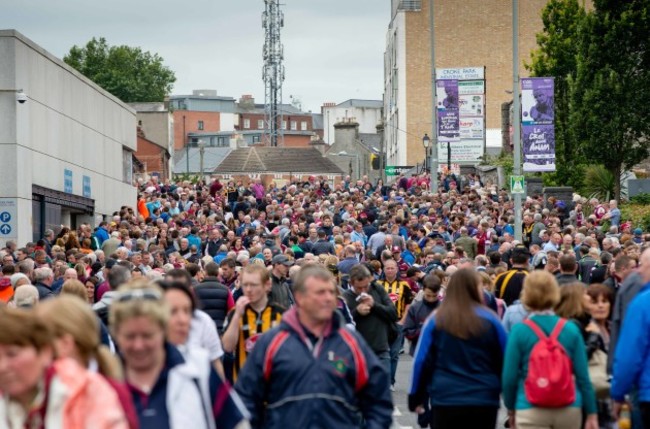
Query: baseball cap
[
  {"x": 638, "y": 231},
  {"x": 282, "y": 259}
]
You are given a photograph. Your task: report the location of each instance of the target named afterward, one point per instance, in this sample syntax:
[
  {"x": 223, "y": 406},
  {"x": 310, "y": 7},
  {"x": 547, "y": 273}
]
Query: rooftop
[
  {"x": 212, "y": 158},
  {"x": 277, "y": 160}
]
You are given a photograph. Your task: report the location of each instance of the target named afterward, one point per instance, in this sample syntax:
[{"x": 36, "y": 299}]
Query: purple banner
[
  {"x": 538, "y": 130},
  {"x": 448, "y": 110},
  {"x": 539, "y": 147},
  {"x": 537, "y": 101}
]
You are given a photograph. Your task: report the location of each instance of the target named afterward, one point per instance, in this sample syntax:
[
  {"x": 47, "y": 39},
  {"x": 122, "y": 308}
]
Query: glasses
[{"x": 139, "y": 294}]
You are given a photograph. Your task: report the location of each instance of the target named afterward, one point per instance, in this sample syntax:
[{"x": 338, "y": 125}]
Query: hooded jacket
[{"x": 315, "y": 383}]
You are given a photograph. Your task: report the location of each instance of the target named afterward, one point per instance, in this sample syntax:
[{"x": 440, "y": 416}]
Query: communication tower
[{"x": 273, "y": 73}]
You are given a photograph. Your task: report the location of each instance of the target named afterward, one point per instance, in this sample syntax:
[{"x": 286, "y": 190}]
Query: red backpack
[{"x": 549, "y": 383}]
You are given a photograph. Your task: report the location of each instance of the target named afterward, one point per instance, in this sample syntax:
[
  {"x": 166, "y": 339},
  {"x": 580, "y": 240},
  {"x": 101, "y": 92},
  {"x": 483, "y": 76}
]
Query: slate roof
[
  {"x": 212, "y": 158},
  {"x": 371, "y": 141},
  {"x": 317, "y": 121},
  {"x": 258, "y": 159},
  {"x": 373, "y": 104}
]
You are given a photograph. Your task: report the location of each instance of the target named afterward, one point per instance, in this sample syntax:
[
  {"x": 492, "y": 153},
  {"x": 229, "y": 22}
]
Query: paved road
[{"x": 402, "y": 417}]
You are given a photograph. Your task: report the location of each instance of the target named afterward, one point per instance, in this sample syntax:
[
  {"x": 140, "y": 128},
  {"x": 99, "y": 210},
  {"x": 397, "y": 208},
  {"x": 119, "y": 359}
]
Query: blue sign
[
  {"x": 67, "y": 181},
  {"x": 5, "y": 229},
  {"x": 5, "y": 217},
  {"x": 86, "y": 187},
  {"x": 8, "y": 217}
]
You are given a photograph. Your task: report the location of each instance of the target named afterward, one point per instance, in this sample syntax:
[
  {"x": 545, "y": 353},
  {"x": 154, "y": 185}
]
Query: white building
[
  {"x": 367, "y": 113},
  {"x": 65, "y": 152}
]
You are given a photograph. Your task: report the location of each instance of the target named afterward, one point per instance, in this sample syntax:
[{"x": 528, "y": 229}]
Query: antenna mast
[{"x": 273, "y": 73}]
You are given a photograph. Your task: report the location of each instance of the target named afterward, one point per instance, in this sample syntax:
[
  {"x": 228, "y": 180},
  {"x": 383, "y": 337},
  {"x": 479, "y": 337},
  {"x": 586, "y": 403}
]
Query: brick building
[
  {"x": 155, "y": 159},
  {"x": 202, "y": 112},
  {"x": 468, "y": 33},
  {"x": 297, "y": 126}
]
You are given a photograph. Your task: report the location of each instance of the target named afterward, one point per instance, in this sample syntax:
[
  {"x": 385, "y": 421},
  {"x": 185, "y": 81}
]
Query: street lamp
[
  {"x": 426, "y": 141},
  {"x": 448, "y": 157},
  {"x": 201, "y": 145}
]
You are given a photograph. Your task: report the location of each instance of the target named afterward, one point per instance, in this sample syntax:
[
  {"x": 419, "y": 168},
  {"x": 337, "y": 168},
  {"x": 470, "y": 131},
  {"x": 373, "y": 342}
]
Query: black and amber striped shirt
[
  {"x": 251, "y": 326},
  {"x": 400, "y": 293}
]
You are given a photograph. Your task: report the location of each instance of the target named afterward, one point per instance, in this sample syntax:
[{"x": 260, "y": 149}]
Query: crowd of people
[{"x": 234, "y": 305}]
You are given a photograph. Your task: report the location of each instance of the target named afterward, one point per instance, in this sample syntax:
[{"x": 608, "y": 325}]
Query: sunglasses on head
[{"x": 139, "y": 294}]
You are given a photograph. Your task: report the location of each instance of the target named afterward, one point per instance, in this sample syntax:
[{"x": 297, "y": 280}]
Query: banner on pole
[
  {"x": 537, "y": 123},
  {"x": 448, "y": 110}
]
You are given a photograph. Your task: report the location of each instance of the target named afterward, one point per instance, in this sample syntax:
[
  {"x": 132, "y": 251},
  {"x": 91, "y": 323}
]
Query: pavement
[{"x": 402, "y": 417}]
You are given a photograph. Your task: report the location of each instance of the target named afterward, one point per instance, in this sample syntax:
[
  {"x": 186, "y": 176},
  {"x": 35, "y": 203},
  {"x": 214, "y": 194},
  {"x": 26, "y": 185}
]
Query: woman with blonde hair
[
  {"x": 37, "y": 391},
  {"x": 169, "y": 389},
  {"x": 540, "y": 295}
]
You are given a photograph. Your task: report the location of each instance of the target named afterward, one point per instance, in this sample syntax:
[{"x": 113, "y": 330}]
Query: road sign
[
  {"x": 8, "y": 226},
  {"x": 395, "y": 170},
  {"x": 517, "y": 185}
]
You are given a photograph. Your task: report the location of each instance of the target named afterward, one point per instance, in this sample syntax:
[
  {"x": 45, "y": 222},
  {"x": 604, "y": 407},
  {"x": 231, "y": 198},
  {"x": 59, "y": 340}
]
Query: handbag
[{"x": 598, "y": 374}]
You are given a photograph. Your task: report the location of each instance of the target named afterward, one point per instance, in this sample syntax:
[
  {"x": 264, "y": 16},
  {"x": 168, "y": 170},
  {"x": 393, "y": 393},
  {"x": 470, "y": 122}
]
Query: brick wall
[
  {"x": 468, "y": 33},
  {"x": 152, "y": 156},
  {"x": 211, "y": 122}
]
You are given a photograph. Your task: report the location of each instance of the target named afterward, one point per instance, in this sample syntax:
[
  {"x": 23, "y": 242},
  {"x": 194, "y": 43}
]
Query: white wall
[
  {"x": 367, "y": 117},
  {"x": 395, "y": 102},
  {"x": 68, "y": 122},
  {"x": 227, "y": 121}
]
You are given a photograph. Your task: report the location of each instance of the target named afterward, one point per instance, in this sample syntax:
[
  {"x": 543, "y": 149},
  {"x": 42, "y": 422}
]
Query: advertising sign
[
  {"x": 471, "y": 128},
  {"x": 448, "y": 110},
  {"x": 464, "y": 151},
  {"x": 461, "y": 73},
  {"x": 537, "y": 123},
  {"x": 470, "y": 87},
  {"x": 471, "y": 105}
]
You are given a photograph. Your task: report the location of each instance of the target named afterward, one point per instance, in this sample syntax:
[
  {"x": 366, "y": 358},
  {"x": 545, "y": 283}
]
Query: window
[
  {"x": 247, "y": 124},
  {"x": 284, "y": 125},
  {"x": 257, "y": 138},
  {"x": 127, "y": 166},
  {"x": 200, "y": 126},
  {"x": 294, "y": 125},
  {"x": 303, "y": 125},
  {"x": 260, "y": 124}
]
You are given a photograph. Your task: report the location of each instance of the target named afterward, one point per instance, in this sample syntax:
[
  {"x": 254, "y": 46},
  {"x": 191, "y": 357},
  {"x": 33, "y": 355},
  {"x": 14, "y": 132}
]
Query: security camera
[{"x": 21, "y": 97}]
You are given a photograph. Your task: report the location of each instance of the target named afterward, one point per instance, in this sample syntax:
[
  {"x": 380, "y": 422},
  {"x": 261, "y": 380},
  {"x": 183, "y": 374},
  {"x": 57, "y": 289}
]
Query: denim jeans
[
  {"x": 384, "y": 358},
  {"x": 394, "y": 352}
]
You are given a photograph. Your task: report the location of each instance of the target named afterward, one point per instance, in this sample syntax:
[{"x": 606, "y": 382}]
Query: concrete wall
[
  {"x": 67, "y": 122},
  {"x": 395, "y": 101}
]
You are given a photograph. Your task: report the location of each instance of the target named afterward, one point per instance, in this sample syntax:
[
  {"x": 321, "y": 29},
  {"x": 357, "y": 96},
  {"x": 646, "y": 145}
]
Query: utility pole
[
  {"x": 516, "y": 123},
  {"x": 273, "y": 73},
  {"x": 433, "y": 168}
]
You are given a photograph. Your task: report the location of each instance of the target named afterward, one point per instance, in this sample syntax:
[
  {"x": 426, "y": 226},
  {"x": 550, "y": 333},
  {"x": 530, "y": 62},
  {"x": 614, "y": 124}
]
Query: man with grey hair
[
  {"x": 117, "y": 276},
  {"x": 43, "y": 279},
  {"x": 538, "y": 227}
]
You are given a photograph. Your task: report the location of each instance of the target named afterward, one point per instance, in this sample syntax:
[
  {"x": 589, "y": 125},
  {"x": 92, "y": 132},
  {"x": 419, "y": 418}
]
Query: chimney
[{"x": 346, "y": 133}]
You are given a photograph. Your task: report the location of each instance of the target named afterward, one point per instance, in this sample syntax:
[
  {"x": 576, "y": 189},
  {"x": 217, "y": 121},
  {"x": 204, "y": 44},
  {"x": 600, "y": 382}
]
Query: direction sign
[
  {"x": 517, "y": 185},
  {"x": 8, "y": 226},
  {"x": 395, "y": 170}
]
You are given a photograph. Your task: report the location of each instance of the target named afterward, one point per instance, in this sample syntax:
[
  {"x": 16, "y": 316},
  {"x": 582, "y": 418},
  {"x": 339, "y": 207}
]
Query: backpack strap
[
  {"x": 535, "y": 328},
  {"x": 558, "y": 328},
  {"x": 271, "y": 351},
  {"x": 360, "y": 364}
]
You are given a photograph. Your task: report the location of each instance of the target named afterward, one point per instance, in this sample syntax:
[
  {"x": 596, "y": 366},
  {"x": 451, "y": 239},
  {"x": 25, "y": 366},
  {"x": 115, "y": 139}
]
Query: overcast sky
[{"x": 333, "y": 48}]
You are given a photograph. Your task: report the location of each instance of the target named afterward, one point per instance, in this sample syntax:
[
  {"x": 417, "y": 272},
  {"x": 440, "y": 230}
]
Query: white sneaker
[{"x": 392, "y": 387}]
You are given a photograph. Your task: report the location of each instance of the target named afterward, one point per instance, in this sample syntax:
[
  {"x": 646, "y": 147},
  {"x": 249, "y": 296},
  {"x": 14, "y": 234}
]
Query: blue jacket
[
  {"x": 456, "y": 372},
  {"x": 632, "y": 358},
  {"x": 102, "y": 235},
  {"x": 313, "y": 381}
]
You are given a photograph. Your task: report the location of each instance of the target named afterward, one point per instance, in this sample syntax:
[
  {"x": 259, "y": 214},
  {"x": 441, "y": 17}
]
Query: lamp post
[
  {"x": 434, "y": 107},
  {"x": 201, "y": 145},
  {"x": 426, "y": 141},
  {"x": 516, "y": 137}
]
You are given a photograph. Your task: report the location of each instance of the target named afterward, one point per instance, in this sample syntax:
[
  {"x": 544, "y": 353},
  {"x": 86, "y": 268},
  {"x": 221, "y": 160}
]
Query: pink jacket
[{"x": 77, "y": 399}]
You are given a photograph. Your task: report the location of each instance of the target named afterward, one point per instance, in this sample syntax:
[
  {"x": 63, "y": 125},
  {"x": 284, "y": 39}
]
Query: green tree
[
  {"x": 609, "y": 97},
  {"x": 556, "y": 56},
  {"x": 126, "y": 72}
]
